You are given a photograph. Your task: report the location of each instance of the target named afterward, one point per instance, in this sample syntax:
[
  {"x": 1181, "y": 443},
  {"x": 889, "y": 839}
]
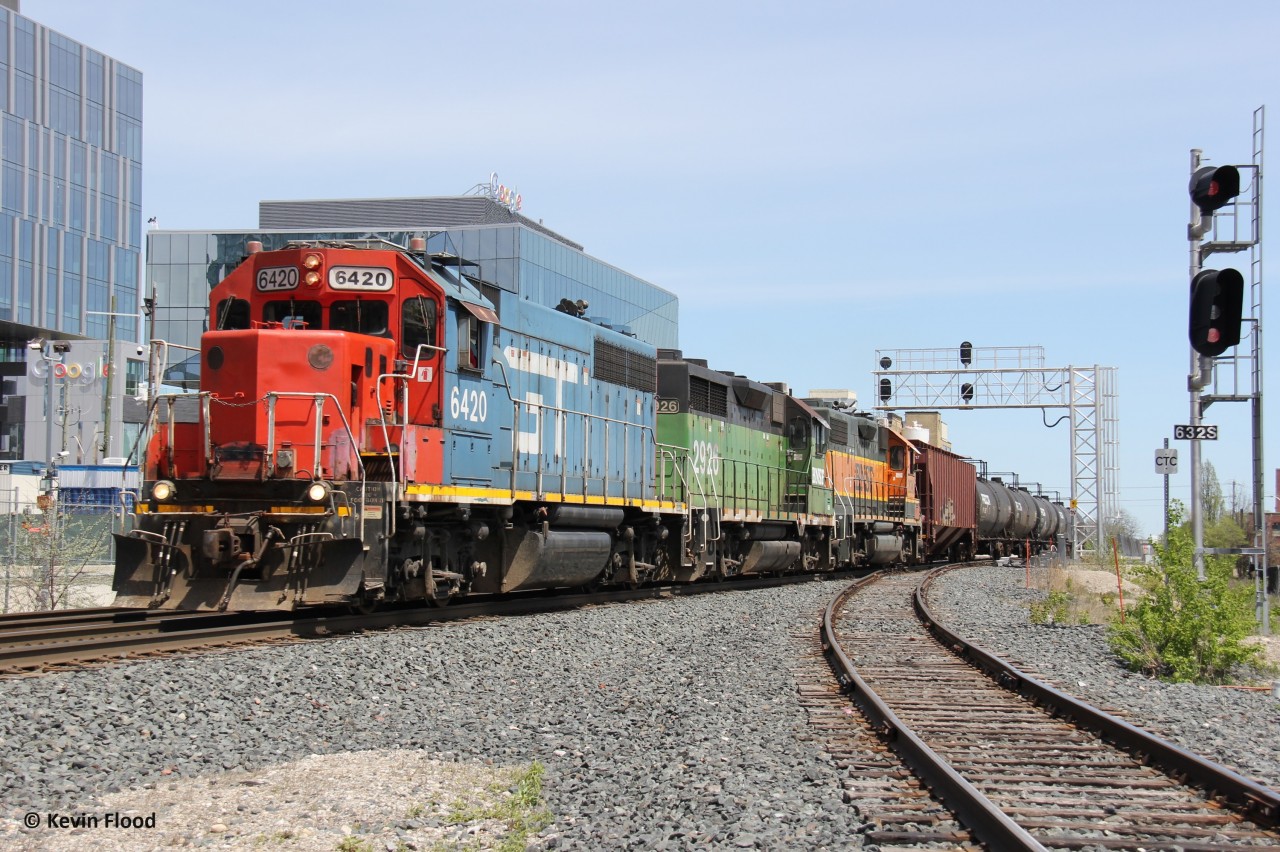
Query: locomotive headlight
[
  {"x": 312, "y": 278},
  {"x": 318, "y": 492},
  {"x": 311, "y": 261},
  {"x": 163, "y": 490}
]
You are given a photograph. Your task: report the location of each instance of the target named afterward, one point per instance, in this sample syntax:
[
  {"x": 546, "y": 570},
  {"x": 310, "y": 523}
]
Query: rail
[{"x": 1262, "y": 803}]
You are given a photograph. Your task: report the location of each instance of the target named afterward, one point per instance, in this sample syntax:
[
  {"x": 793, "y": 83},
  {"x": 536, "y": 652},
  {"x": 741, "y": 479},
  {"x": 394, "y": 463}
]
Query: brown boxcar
[{"x": 946, "y": 485}]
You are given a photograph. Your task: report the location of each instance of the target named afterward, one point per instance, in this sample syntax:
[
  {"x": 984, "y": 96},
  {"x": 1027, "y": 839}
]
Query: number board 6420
[{"x": 367, "y": 278}]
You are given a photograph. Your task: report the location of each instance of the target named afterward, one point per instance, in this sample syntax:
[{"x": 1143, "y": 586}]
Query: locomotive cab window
[
  {"x": 363, "y": 316},
  {"x": 231, "y": 313},
  {"x": 798, "y": 433},
  {"x": 292, "y": 313},
  {"x": 470, "y": 331},
  {"x": 418, "y": 326},
  {"x": 897, "y": 458}
]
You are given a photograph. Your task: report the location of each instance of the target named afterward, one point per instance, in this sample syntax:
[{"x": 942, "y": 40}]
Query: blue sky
[{"x": 815, "y": 181}]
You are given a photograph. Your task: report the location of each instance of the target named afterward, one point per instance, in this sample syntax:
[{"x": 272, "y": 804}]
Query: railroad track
[
  {"x": 34, "y": 643},
  {"x": 1018, "y": 764}
]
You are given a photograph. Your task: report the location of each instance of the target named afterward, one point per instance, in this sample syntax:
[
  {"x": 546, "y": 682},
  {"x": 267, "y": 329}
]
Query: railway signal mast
[{"x": 1224, "y": 222}]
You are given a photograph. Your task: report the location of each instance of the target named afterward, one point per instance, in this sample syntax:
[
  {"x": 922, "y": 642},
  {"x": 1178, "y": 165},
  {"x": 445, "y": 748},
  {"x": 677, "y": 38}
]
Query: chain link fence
[{"x": 57, "y": 551}]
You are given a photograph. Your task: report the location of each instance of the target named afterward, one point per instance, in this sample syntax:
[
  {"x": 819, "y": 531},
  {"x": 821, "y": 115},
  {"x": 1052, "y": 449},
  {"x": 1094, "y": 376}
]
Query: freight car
[
  {"x": 965, "y": 515},
  {"x": 374, "y": 425}
]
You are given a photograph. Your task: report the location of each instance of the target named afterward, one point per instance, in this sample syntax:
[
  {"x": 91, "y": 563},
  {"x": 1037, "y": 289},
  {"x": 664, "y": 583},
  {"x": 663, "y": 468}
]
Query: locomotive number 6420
[
  {"x": 373, "y": 278},
  {"x": 468, "y": 404}
]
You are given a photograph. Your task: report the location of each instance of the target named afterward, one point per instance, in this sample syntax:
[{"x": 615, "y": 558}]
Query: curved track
[{"x": 1019, "y": 764}]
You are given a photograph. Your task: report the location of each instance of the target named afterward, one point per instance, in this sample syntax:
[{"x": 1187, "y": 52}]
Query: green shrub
[
  {"x": 1052, "y": 610},
  {"x": 1185, "y": 630}
]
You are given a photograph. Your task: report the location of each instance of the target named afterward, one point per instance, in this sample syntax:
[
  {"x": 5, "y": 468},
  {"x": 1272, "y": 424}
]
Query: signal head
[
  {"x": 1217, "y": 307},
  {"x": 1214, "y": 187}
]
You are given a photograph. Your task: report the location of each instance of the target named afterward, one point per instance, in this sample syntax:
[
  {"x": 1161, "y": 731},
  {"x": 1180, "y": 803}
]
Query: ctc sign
[{"x": 1166, "y": 461}]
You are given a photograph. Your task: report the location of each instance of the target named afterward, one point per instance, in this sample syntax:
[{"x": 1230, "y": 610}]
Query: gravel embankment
[
  {"x": 989, "y": 605},
  {"x": 668, "y": 725}
]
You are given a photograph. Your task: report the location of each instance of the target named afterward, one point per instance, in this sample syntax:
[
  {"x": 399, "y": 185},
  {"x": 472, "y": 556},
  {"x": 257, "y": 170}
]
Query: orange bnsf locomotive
[{"x": 374, "y": 425}]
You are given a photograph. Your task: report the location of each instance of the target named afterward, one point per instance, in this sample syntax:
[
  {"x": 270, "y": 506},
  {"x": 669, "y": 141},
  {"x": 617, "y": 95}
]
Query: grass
[
  {"x": 1069, "y": 600},
  {"x": 519, "y": 807}
]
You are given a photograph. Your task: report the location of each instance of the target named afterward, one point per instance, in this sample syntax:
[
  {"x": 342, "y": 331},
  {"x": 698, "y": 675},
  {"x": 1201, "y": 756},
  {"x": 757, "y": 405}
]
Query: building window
[{"x": 133, "y": 371}]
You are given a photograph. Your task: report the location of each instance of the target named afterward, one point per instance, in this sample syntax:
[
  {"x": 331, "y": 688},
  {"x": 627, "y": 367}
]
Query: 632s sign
[{"x": 1195, "y": 433}]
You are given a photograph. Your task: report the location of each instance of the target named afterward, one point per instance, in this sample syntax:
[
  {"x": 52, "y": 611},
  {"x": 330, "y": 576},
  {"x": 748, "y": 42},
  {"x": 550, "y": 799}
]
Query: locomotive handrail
[
  {"x": 842, "y": 499},
  {"x": 206, "y": 399},
  {"x": 540, "y": 409},
  {"x": 318, "y": 398},
  {"x": 404, "y": 416}
]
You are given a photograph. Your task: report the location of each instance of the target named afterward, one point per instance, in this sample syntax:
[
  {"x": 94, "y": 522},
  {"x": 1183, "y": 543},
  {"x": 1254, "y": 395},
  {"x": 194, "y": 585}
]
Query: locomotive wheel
[
  {"x": 364, "y": 606},
  {"x": 440, "y": 593}
]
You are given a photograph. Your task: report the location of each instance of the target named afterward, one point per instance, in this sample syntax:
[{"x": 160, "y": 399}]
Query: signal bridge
[{"x": 1004, "y": 377}]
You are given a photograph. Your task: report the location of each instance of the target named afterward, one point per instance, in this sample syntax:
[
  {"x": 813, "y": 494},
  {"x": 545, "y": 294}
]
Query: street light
[
  {"x": 105, "y": 449},
  {"x": 51, "y": 352}
]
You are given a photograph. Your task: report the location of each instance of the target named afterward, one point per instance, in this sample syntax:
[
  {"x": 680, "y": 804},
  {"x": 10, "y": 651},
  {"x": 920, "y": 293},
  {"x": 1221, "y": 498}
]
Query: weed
[
  {"x": 520, "y": 808},
  {"x": 354, "y": 844},
  {"x": 1185, "y": 629},
  {"x": 1051, "y": 610}
]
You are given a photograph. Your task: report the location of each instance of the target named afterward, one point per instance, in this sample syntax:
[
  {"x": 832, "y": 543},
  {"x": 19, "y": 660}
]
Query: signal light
[
  {"x": 966, "y": 392},
  {"x": 1213, "y": 187},
  {"x": 1217, "y": 306},
  {"x": 966, "y": 353},
  {"x": 886, "y": 390}
]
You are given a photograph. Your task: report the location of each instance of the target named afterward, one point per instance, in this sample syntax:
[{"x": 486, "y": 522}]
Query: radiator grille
[
  {"x": 708, "y": 397},
  {"x": 624, "y": 367},
  {"x": 839, "y": 432}
]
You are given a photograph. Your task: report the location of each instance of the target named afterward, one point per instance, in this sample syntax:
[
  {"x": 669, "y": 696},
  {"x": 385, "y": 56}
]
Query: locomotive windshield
[
  {"x": 232, "y": 314},
  {"x": 292, "y": 313},
  {"x": 418, "y": 316},
  {"x": 359, "y": 315}
]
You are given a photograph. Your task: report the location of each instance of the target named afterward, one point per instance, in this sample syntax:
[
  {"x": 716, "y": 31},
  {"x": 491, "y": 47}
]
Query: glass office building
[
  {"x": 70, "y": 222},
  {"x": 512, "y": 253}
]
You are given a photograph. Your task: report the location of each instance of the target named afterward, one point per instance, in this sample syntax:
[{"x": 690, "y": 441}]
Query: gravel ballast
[{"x": 670, "y": 724}]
